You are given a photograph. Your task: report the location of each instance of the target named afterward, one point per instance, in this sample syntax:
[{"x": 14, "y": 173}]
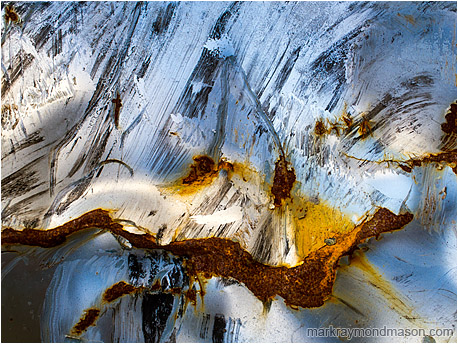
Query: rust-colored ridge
[
  {"x": 88, "y": 319},
  {"x": 442, "y": 158},
  {"x": 448, "y": 158},
  {"x": 306, "y": 285},
  {"x": 202, "y": 167},
  {"x": 49, "y": 238},
  {"x": 11, "y": 15},
  {"x": 284, "y": 179},
  {"x": 119, "y": 289},
  {"x": 320, "y": 128}
]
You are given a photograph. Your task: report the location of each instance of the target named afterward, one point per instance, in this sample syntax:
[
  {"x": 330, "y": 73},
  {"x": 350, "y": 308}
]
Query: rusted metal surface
[
  {"x": 284, "y": 179},
  {"x": 306, "y": 285},
  {"x": 87, "y": 319},
  {"x": 203, "y": 167},
  {"x": 118, "y": 290},
  {"x": 11, "y": 15}
]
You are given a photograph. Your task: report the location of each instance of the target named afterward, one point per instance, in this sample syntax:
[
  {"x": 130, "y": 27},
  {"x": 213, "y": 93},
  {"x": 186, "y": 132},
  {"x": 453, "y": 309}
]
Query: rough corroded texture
[
  {"x": 306, "y": 285},
  {"x": 50, "y": 238},
  {"x": 11, "y": 15},
  {"x": 284, "y": 179},
  {"x": 202, "y": 167},
  {"x": 117, "y": 290},
  {"x": 448, "y": 158},
  {"x": 320, "y": 128},
  {"x": 88, "y": 319}
]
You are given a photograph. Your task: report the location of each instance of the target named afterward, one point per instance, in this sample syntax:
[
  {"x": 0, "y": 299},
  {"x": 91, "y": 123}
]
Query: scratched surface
[{"x": 106, "y": 105}]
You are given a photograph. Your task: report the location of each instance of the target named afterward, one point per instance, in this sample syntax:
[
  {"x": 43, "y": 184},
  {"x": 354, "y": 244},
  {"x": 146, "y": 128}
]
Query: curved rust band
[{"x": 306, "y": 285}]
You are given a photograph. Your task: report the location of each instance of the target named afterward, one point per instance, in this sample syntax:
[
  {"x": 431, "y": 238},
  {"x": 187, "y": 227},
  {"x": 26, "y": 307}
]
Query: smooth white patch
[
  {"x": 221, "y": 217},
  {"x": 390, "y": 184},
  {"x": 177, "y": 118}
]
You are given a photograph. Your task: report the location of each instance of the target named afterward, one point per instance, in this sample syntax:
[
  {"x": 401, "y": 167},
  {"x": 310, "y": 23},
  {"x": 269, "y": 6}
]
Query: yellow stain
[
  {"x": 396, "y": 300},
  {"x": 233, "y": 169},
  {"x": 314, "y": 223}
]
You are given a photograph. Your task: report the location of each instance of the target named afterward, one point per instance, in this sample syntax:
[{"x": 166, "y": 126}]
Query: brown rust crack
[
  {"x": 442, "y": 158},
  {"x": 447, "y": 158},
  {"x": 118, "y": 104},
  {"x": 284, "y": 179},
  {"x": 202, "y": 167},
  {"x": 306, "y": 285},
  {"x": 118, "y": 290},
  {"x": 88, "y": 319}
]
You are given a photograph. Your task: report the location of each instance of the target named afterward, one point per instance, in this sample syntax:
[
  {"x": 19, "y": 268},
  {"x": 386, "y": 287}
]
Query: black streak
[
  {"x": 156, "y": 309},
  {"x": 21, "y": 181},
  {"x": 21, "y": 62},
  {"x": 219, "y": 328},
  {"x": 163, "y": 19},
  {"x": 287, "y": 68},
  {"x": 331, "y": 65},
  {"x": 191, "y": 103}
]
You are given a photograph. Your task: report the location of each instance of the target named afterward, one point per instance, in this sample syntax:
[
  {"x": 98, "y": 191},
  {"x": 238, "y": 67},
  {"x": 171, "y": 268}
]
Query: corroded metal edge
[{"x": 306, "y": 285}]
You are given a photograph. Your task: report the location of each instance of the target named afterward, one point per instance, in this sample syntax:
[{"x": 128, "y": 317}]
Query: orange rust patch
[
  {"x": 117, "y": 290},
  {"x": 315, "y": 225},
  {"x": 365, "y": 128},
  {"x": 447, "y": 158},
  {"x": 306, "y": 285},
  {"x": 202, "y": 173},
  {"x": 203, "y": 167},
  {"x": 320, "y": 128},
  {"x": 284, "y": 179},
  {"x": 10, "y": 14},
  {"x": 88, "y": 319}
]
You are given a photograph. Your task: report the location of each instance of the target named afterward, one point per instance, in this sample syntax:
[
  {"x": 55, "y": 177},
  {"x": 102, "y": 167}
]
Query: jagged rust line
[
  {"x": 448, "y": 157},
  {"x": 306, "y": 285}
]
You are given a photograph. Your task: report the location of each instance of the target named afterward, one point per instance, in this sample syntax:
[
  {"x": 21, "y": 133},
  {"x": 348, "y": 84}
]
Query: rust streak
[
  {"x": 11, "y": 15},
  {"x": 118, "y": 290},
  {"x": 88, "y": 319},
  {"x": 442, "y": 158},
  {"x": 448, "y": 158},
  {"x": 203, "y": 167},
  {"x": 284, "y": 179},
  {"x": 117, "y": 110},
  {"x": 365, "y": 128},
  {"x": 306, "y": 285}
]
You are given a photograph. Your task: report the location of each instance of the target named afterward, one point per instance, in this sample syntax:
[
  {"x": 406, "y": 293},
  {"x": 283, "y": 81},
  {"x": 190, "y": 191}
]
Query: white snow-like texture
[{"x": 110, "y": 105}]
